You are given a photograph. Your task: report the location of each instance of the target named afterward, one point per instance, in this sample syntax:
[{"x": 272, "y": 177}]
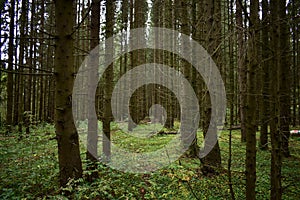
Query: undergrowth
[{"x": 29, "y": 170}]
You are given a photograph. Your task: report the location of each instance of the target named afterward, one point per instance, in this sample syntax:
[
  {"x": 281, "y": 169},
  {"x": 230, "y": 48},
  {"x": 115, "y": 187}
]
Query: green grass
[{"x": 29, "y": 170}]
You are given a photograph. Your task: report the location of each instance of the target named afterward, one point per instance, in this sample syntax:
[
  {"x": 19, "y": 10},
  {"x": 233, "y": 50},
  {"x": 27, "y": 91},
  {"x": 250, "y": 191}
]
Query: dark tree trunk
[
  {"x": 276, "y": 136},
  {"x": 67, "y": 136},
  {"x": 107, "y": 114},
  {"x": 133, "y": 102},
  {"x": 193, "y": 149},
  {"x": 10, "y": 86},
  {"x": 241, "y": 68},
  {"x": 212, "y": 32},
  {"x": 251, "y": 103},
  {"x": 284, "y": 79},
  {"x": 21, "y": 63},
  {"x": 92, "y": 138},
  {"x": 263, "y": 144}
]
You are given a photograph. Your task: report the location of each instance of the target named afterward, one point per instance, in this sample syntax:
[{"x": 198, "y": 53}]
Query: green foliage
[
  {"x": 29, "y": 170},
  {"x": 29, "y": 167}
]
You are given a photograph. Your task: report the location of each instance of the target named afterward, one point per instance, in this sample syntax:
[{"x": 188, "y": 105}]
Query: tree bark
[
  {"x": 132, "y": 105},
  {"x": 193, "y": 149},
  {"x": 92, "y": 137},
  {"x": 10, "y": 86},
  {"x": 21, "y": 63},
  {"x": 276, "y": 137},
  {"x": 263, "y": 143},
  {"x": 242, "y": 77},
  {"x": 212, "y": 33},
  {"x": 251, "y": 103},
  {"x": 284, "y": 79},
  {"x": 108, "y": 77},
  {"x": 66, "y": 133}
]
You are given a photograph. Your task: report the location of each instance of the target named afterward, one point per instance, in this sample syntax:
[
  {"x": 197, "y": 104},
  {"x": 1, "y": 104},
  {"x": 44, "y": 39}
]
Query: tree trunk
[
  {"x": 251, "y": 103},
  {"x": 21, "y": 63},
  {"x": 10, "y": 86},
  {"x": 212, "y": 34},
  {"x": 242, "y": 77},
  {"x": 92, "y": 137},
  {"x": 132, "y": 105},
  {"x": 42, "y": 64},
  {"x": 139, "y": 56},
  {"x": 284, "y": 79},
  {"x": 17, "y": 69},
  {"x": 193, "y": 149},
  {"x": 108, "y": 77},
  {"x": 66, "y": 133},
  {"x": 276, "y": 137},
  {"x": 263, "y": 144}
]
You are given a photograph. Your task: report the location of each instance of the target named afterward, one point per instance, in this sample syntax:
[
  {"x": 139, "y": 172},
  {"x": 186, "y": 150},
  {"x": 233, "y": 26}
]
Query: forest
[{"x": 150, "y": 99}]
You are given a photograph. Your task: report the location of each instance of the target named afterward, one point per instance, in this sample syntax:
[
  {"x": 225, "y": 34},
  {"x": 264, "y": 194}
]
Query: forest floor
[{"x": 29, "y": 170}]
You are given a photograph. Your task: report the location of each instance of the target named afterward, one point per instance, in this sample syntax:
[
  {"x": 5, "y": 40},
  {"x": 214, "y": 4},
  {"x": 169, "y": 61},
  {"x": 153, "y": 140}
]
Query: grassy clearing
[{"x": 29, "y": 170}]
